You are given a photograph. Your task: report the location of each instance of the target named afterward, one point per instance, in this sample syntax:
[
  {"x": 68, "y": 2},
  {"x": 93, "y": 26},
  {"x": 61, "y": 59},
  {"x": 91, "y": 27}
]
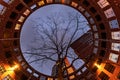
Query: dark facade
[{"x": 84, "y": 45}]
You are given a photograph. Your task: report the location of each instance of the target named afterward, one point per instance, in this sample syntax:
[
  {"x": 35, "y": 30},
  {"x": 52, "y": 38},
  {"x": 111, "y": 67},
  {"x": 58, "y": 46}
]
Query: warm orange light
[
  {"x": 14, "y": 67},
  {"x": 97, "y": 65}
]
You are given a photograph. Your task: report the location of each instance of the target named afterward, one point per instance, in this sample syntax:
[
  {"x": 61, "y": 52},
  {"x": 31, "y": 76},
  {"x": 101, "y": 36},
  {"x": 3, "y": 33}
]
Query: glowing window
[
  {"x": 116, "y": 46},
  {"x": 95, "y": 50},
  {"x": 49, "y": 1},
  {"x": 96, "y": 43},
  {"x": 8, "y": 77},
  {"x": 29, "y": 70},
  {"x": 109, "y": 13},
  {"x": 72, "y": 77},
  {"x": 50, "y": 79},
  {"x": 114, "y": 24},
  {"x": 40, "y": 3},
  {"x": 87, "y": 14},
  {"x": 74, "y": 4},
  {"x": 27, "y": 12},
  {"x": 96, "y": 35},
  {"x": 103, "y": 3},
  {"x": 36, "y": 75},
  {"x": 33, "y": 6},
  {"x": 94, "y": 27},
  {"x": 84, "y": 69},
  {"x": 2, "y": 69},
  {"x": 81, "y": 8},
  {"x": 17, "y": 27},
  {"x": 19, "y": 58},
  {"x": 113, "y": 57},
  {"x": 116, "y": 35},
  {"x": 21, "y": 19},
  {"x": 91, "y": 21}
]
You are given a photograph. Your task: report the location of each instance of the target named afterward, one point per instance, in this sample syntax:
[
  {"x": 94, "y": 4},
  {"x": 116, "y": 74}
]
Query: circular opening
[{"x": 46, "y": 37}]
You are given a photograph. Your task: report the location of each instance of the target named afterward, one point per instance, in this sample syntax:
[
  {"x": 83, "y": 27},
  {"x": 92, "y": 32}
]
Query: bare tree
[{"x": 53, "y": 36}]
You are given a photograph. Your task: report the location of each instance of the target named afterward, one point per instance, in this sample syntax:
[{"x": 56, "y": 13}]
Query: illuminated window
[
  {"x": 8, "y": 77},
  {"x": 116, "y": 46},
  {"x": 94, "y": 27},
  {"x": 113, "y": 57},
  {"x": 27, "y": 12},
  {"x": 21, "y": 19},
  {"x": 29, "y": 70},
  {"x": 116, "y": 35},
  {"x": 96, "y": 43},
  {"x": 17, "y": 27},
  {"x": 74, "y": 4},
  {"x": 91, "y": 20},
  {"x": 19, "y": 58},
  {"x": 109, "y": 67},
  {"x": 87, "y": 14},
  {"x": 81, "y": 8},
  {"x": 109, "y": 13},
  {"x": 8, "y": 1},
  {"x": 103, "y": 3},
  {"x": 96, "y": 35},
  {"x": 50, "y": 79},
  {"x": 33, "y": 6},
  {"x": 114, "y": 24},
  {"x": 49, "y": 1},
  {"x": 84, "y": 69},
  {"x": 40, "y": 3},
  {"x": 36, "y": 75},
  {"x": 2, "y": 9},
  {"x": 72, "y": 77},
  {"x": 2, "y": 69},
  {"x": 95, "y": 50}
]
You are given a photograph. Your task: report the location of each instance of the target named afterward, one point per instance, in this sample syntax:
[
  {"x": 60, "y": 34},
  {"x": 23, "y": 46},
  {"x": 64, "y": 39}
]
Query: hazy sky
[{"x": 28, "y": 34}]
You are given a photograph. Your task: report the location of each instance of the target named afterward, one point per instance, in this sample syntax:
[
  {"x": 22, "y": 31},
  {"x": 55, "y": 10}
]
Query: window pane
[
  {"x": 114, "y": 24},
  {"x": 116, "y": 35},
  {"x": 36, "y": 75},
  {"x": 116, "y": 46},
  {"x": 96, "y": 43},
  {"x": 109, "y": 13},
  {"x": 113, "y": 57},
  {"x": 103, "y": 3},
  {"x": 95, "y": 50},
  {"x": 74, "y": 4},
  {"x": 94, "y": 28},
  {"x": 87, "y": 14},
  {"x": 96, "y": 35}
]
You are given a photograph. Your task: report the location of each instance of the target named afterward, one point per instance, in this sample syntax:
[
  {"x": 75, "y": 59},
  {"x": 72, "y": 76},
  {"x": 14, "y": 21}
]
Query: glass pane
[
  {"x": 109, "y": 13},
  {"x": 116, "y": 46},
  {"x": 113, "y": 57},
  {"x": 114, "y": 24},
  {"x": 103, "y": 3},
  {"x": 116, "y": 35}
]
